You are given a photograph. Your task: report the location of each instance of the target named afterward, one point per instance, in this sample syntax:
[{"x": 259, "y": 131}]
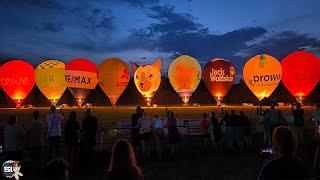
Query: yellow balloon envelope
[
  {"x": 114, "y": 76},
  {"x": 147, "y": 79},
  {"x": 184, "y": 75},
  {"x": 50, "y": 79},
  {"x": 262, "y": 74}
]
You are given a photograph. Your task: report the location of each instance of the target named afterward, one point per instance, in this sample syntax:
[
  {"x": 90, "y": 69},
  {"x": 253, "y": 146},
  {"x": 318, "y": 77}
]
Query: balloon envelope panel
[
  {"x": 184, "y": 75},
  {"x": 17, "y": 79},
  {"x": 300, "y": 73},
  {"x": 219, "y": 75},
  {"x": 114, "y": 76},
  {"x": 81, "y": 77},
  {"x": 262, "y": 74},
  {"x": 50, "y": 79}
]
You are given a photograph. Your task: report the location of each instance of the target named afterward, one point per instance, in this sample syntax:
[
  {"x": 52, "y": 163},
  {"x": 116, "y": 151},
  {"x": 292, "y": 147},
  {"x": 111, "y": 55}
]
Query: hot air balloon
[
  {"x": 262, "y": 74},
  {"x": 17, "y": 80},
  {"x": 184, "y": 75},
  {"x": 81, "y": 77},
  {"x": 50, "y": 79},
  {"x": 114, "y": 76},
  {"x": 218, "y": 76},
  {"x": 147, "y": 79},
  {"x": 300, "y": 73}
]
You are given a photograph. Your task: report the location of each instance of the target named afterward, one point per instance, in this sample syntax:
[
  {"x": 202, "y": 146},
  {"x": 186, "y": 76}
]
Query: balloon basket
[
  {"x": 300, "y": 99},
  {"x": 79, "y": 102},
  {"x": 218, "y": 100},
  {"x": 148, "y": 101},
  {"x": 18, "y": 103}
]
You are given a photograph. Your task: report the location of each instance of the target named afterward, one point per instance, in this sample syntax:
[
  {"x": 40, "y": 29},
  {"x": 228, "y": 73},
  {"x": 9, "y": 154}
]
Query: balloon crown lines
[{"x": 298, "y": 71}]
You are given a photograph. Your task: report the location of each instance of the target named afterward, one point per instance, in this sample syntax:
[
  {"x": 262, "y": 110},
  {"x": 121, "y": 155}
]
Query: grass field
[
  {"x": 192, "y": 163},
  {"x": 109, "y": 114}
]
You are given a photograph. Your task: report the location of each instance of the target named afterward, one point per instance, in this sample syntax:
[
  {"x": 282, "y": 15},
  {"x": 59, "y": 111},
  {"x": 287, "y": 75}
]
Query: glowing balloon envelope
[
  {"x": 218, "y": 76},
  {"x": 184, "y": 75},
  {"x": 50, "y": 79},
  {"x": 81, "y": 77},
  {"x": 17, "y": 80},
  {"x": 262, "y": 74},
  {"x": 300, "y": 73},
  {"x": 114, "y": 76},
  {"x": 147, "y": 79}
]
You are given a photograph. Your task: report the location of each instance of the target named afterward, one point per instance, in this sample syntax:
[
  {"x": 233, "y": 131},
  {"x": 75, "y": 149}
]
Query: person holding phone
[
  {"x": 54, "y": 120},
  {"x": 285, "y": 165}
]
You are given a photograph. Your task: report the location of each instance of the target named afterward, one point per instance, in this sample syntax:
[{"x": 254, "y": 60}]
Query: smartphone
[{"x": 267, "y": 150}]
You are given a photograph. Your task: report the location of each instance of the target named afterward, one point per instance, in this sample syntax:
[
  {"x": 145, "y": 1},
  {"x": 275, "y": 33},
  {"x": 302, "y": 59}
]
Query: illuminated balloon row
[
  {"x": 299, "y": 72},
  {"x": 262, "y": 74}
]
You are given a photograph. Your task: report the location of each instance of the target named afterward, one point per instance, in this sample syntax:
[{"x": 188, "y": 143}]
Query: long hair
[{"x": 123, "y": 158}]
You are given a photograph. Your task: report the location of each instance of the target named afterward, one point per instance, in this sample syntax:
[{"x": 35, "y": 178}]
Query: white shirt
[
  {"x": 157, "y": 123},
  {"x": 144, "y": 125},
  {"x": 54, "y": 124},
  {"x": 316, "y": 116},
  {"x": 13, "y": 137}
]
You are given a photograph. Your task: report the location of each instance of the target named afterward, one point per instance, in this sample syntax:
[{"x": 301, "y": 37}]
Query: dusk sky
[{"x": 142, "y": 30}]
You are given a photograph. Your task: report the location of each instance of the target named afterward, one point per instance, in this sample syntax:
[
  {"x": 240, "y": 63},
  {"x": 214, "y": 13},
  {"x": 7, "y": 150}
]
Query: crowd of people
[{"x": 230, "y": 132}]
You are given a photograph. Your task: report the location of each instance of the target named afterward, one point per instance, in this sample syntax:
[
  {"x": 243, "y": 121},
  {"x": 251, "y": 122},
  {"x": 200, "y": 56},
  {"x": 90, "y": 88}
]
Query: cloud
[
  {"x": 51, "y": 27},
  {"x": 139, "y": 3},
  {"x": 281, "y": 44},
  {"x": 106, "y": 23}
]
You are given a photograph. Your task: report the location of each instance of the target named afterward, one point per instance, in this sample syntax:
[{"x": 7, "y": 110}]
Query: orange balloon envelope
[
  {"x": 50, "y": 79},
  {"x": 300, "y": 73},
  {"x": 147, "y": 79},
  {"x": 262, "y": 74},
  {"x": 114, "y": 76},
  {"x": 218, "y": 76},
  {"x": 81, "y": 77},
  {"x": 184, "y": 75},
  {"x": 17, "y": 80}
]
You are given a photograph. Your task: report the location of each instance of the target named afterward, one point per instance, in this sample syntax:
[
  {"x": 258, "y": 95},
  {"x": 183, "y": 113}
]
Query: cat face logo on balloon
[{"x": 147, "y": 77}]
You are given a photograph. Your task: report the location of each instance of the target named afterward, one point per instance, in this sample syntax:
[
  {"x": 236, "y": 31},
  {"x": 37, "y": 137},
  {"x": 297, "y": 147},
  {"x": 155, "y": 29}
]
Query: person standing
[
  {"x": 144, "y": 134},
  {"x": 285, "y": 165},
  {"x": 205, "y": 123},
  {"x": 72, "y": 129},
  {"x": 135, "y": 129},
  {"x": 173, "y": 132},
  {"x": 158, "y": 132},
  {"x": 88, "y": 138},
  {"x": 216, "y": 131},
  {"x": 123, "y": 164},
  {"x": 13, "y": 140},
  {"x": 34, "y": 135},
  {"x": 269, "y": 121},
  {"x": 316, "y": 118},
  {"x": 54, "y": 121},
  {"x": 298, "y": 120}
]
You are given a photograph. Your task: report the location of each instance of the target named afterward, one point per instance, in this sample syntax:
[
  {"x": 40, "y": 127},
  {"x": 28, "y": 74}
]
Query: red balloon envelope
[
  {"x": 300, "y": 73},
  {"x": 81, "y": 77},
  {"x": 17, "y": 79},
  {"x": 218, "y": 76}
]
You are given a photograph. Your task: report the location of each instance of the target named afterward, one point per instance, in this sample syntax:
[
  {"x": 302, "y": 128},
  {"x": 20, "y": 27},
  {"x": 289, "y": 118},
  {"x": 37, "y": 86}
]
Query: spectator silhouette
[
  {"x": 54, "y": 121},
  {"x": 57, "y": 169},
  {"x": 123, "y": 164},
  {"x": 298, "y": 117},
  {"x": 34, "y": 139},
  {"x": 88, "y": 138},
  {"x": 285, "y": 165},
  {"x": 72, "y": 129},
  {"x": 135, "y": 129},
  {"x": 13, "y": 140}
]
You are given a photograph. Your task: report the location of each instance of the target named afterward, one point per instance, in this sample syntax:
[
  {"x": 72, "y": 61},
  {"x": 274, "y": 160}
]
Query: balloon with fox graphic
[
  {"x": 184, "y": 75},
  {"x": 147, "y": 79}
]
